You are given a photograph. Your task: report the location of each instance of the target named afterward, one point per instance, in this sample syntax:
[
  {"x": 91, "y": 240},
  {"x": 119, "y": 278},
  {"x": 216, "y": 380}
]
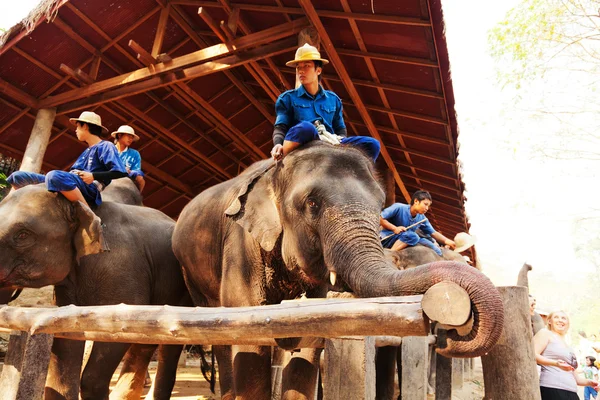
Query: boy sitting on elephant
[
  {"x": 124, "y": 137},
  {"x": 396, "y": 218},
  {"x": 312, "y": 113},
  {"x": 91, "y": 173}
]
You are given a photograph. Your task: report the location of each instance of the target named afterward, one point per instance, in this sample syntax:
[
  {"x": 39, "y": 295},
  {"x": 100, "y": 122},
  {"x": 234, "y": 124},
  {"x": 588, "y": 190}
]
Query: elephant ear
[
  {"x": 254, "y": 207},
  {"x": 88, "y": 238}
]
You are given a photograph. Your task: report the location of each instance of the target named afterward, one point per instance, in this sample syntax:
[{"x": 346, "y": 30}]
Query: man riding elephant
[
  {"x": 400, "y": 222},
  {"x": 312, "y": 113}
]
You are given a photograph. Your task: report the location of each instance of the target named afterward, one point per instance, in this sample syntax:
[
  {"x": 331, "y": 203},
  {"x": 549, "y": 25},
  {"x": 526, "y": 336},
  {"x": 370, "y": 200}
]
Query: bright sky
[
  {"x": 523, "y": 207},
  {"x": 520, "y": 205}
]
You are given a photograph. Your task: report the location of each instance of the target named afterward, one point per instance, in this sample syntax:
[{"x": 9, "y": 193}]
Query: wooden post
[
  {"x": 277, "y": 364},
  {"x": 38, "y": 140},
  {"x": 467, "y": 370},
  {"x": 443, "y": 378},
  {"x": 457, "y": 373},
  {"x": 350, "y": 369},
  {"x": 509, "y": 370},
  {"x": 415, "y": 365},
  {"x": 25, "y": 368}
]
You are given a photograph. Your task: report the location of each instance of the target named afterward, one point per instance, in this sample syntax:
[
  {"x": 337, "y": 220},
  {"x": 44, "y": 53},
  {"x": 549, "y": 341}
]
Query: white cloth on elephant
[{"x": 327, "y": 136}]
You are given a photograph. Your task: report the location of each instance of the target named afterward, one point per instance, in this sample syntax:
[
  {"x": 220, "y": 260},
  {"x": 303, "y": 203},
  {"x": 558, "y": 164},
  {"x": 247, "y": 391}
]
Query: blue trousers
[
  {"x": 305, "y": 132},
  {"x": 587, "y": 391},
  {"x": 57, "y": 181},
  {"x": 412, "y": 239}
]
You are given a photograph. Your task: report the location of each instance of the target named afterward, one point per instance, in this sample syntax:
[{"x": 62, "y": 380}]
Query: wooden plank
[
  {"x": 422, "y": 154},
  {"x": 432, "y": 182},
  {"x": 411, "y": 135},
  {"x": 17, "y": 94},
  {"x": 423, "y": 62},
  {"x": 210, "y": 53},
  {"x": 443, "y": 378},
  {"x": 402, "y": 164},
  {"x": 145, "y": 58},
  {"x": 350, "y": 369},
  {"x": 415, "y": 365},
  {"x": 171, "y": 78},
  {"x": 95, "y": 67},
  {"x": 313, "y": 16},
  {"x": 203, "y": 13},
  {"x": 353, "y": 317},
  {"x": 390, "y": 19},
  {"x": 232, "y": 22},
  {"x": 160, "y": 31}
]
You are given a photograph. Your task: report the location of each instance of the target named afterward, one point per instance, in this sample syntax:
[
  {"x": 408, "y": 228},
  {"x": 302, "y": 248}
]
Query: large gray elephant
[
  {"x": 279, "y": 230},
  {"x": 119, "y": 254}
]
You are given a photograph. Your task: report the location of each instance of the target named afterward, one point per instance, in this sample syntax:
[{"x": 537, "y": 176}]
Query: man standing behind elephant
[
  {"x": 312, "y": 113},
  {"x": 396, "y": 218},
  {"x": 95, "y": 168}
]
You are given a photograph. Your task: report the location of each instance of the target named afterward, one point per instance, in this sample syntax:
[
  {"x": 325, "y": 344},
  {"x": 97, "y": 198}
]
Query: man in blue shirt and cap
[
  {"x": 312, "y": 113},
  {"x": 396, "y": 219},
  {"x": 95, "y": 168}
]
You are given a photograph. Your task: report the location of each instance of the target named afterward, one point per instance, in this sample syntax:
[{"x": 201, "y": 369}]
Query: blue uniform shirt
[
  {"x": 131, "y": 159},
  {"x": 295, "y": 106},
  {"x": 101, "y": 157},
  {"x": 399, "y": 215}
]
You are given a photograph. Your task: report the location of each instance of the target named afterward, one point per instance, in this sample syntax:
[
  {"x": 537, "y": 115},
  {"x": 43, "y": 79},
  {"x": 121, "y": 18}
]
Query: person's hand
[
  {"x": 564, "y": 366},
  {"x": 277, "y": 152},
  {"x": 399, "y": 229},
  {"x": 593, "y": 384},
  {"x": 450, "y": 244},
  {"x": 87, "y": 177}
]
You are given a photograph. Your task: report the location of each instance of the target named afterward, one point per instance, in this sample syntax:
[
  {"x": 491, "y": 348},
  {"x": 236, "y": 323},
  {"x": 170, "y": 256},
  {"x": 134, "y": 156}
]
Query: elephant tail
[{"x": 208, "y": 370}]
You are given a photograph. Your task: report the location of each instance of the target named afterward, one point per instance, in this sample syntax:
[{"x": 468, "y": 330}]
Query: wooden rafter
[
  {"x": 160, "y": 31},
  {"x": 313, "y": 16},
  {"x": 211, "y": 53},
  {"x": 390, "y": 19},
  {"x": 406, "y": 134},
  {"x": 404, "y": 114},
  {"x": 17, "y": 94},
  {"x": 423, "y": 62},
  {"x": 421, "y": 154}
]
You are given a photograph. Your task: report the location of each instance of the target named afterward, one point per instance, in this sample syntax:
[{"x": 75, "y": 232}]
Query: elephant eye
[
  {"x": 311, "y": 203},
  {"x": 21, "y": 235}
]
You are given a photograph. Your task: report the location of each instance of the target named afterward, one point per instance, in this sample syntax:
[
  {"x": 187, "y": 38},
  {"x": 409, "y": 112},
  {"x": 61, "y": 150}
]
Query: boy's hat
[
  {"x": 126, "y": 129},
  {"x": 306, "y": 53},
  {"x": 463, "y": 241},
  {"x": 90, "y": 117}
]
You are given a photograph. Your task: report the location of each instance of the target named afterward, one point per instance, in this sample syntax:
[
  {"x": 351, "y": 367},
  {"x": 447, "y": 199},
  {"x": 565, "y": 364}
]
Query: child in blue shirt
[
  {"x": 311, "y": 112},
  {"x": 397, "y": 217},
  {"x": 90, "y": 174},
  {"x": 124, "y": 137}
]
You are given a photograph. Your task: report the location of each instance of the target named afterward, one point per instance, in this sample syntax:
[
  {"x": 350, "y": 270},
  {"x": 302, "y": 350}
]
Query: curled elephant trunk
[{"x": 357, "y": 257}]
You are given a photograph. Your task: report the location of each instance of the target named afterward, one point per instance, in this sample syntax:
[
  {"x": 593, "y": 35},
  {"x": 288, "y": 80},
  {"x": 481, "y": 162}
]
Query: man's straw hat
[
  {"x": 126, "y": 129},
  {"x": 90, "y": 117},
  {"x": 463, "y": 241},
  {"x": 306, "y": 53}
]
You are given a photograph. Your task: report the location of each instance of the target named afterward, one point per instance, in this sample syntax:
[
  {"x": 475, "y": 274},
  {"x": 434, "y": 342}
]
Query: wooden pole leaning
[
  {"x": 509, "y": 369},
  {"x": 38, "y": 140}
]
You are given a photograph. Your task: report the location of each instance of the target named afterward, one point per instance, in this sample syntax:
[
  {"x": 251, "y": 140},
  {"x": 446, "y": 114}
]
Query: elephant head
[
  {"x": 43, "y": 236},
  {"x": 323, "y": 203}
]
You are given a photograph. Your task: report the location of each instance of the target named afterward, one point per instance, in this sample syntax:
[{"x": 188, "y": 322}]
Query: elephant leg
[
  {"x": 385, "y": 372},
  {"x": 300, "y": 375},
  {"x": 64, "y": 370},
  {"x": 225, "y": 363},
  {"x": 252, "y": 372},
  {"x": 103, "y": 361},
  {"x": 166, "y": 374},
  {"x": 133, "y": 373}
]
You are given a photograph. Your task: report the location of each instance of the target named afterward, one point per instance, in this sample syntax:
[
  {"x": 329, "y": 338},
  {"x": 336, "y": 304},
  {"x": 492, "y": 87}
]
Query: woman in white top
[{"x": 558, "y": 380}]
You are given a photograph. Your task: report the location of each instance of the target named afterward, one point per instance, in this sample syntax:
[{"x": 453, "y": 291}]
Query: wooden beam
[
  {"x": 390, "y": 19},
  {"x": 165, "y": 177},
  {"x": 406, "y": 134},
  {"x": 145, "y": 58},
  {"x": 203, "y": 55},
  {"x": 19, "y": 95},
  {"x": 423, "y": 62},
  {"x": 413, "y": 176},
  {"x": 203, "y": 13},
  {"x": 78, "y": 74},
  {"x": 405, "y": 114},
  {"x": 233, "y": 20},
  {"x": 422, "y": 154},
  {"x": 429, "y": 171},
  {"x": 171, "y": 78},
  {"x": 227, "y": 31},
  {"x": 95, "y": 67},
  {"x": 160, "y": 31},
  {"x": 313, "y": 16}
]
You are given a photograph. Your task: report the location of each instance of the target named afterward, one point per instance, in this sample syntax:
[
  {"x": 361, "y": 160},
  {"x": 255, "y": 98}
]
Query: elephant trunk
[{"x": 352, "y": 248}]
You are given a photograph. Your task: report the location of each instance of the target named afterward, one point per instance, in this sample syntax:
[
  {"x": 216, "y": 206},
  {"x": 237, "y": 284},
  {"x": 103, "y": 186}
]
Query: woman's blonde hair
[{"x": 549, "y": 323}]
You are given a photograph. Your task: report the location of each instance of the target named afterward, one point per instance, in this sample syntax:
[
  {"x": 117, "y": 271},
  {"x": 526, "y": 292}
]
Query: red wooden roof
[{"x": 203, "y": 119}]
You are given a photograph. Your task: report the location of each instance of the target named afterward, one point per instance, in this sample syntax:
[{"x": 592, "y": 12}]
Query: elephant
[
  {"x": 284, "y": 228},
  {"x": 119, "y": 253}
]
